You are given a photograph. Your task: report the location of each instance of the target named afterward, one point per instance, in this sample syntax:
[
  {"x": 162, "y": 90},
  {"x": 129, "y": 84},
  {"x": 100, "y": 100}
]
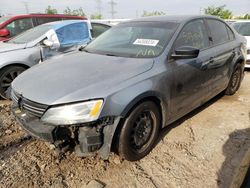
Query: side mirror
[
  {"x": 4, "y": 32},
  {"x": 185, "y": 52},
  {"x": 48, "y": 43}
]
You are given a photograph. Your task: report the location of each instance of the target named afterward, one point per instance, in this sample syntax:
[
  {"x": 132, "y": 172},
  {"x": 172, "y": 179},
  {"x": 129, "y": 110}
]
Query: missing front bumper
[{"x": 86, "y": 139}]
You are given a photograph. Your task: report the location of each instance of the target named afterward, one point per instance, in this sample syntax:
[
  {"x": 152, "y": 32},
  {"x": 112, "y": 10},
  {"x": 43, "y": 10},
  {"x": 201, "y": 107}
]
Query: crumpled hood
[
  {"x": 76, "y": 77},
  {"x": 6, "y": 47}
]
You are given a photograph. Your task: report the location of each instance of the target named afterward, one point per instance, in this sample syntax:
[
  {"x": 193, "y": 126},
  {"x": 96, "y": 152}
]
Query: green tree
[
  {"x": 154, "y": 13},
  {"x": 247, "y": 16},
  {"x": 220, "y": 11},
  {"x": 96, "y": 16},
  {"x": 244, "y": 17},
  {"x": 50, "y": 10},
  {"x": 76, "y": 12}
]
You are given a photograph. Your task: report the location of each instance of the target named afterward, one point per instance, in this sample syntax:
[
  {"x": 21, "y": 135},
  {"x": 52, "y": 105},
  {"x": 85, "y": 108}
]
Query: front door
[{"x": 191, "y": 76}]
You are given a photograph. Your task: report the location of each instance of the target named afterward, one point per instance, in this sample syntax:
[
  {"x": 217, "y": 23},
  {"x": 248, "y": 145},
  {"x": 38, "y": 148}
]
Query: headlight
[{"x": 73, "y": 113}]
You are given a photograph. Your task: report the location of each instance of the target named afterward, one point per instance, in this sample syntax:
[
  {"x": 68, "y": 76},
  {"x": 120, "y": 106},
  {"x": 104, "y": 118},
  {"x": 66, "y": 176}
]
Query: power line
[{"x": 113, "y": 12}]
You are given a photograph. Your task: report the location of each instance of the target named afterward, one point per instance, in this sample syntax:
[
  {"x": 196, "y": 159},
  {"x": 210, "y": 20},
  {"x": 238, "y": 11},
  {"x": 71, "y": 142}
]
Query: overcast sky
[{"x": 124, "y": 8}]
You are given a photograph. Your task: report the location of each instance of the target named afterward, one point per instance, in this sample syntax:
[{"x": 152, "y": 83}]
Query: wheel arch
[
  {"x": 15, "y": 64},
  {"x": 148, "y": 96}
]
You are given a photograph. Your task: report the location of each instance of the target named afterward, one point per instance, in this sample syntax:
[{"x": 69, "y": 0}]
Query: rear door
[
  {"x": 224, "y": 47},
  {"x": 191, "y": 76}
]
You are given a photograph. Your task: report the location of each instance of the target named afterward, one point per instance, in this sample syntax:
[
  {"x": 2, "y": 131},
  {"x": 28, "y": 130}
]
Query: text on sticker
[{"x": 146, "y": 42}]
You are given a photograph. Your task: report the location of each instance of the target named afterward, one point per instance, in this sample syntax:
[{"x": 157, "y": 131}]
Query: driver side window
[
  {"x": 193, "y": 34},
  {"x": 18, "y": 26}
]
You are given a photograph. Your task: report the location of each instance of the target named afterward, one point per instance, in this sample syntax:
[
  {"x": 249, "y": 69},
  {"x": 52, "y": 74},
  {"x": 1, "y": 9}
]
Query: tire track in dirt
[{"x": 8, "y": 149}]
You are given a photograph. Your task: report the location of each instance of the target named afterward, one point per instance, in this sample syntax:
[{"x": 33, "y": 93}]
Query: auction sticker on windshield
[{"x": 146, "y": 42}]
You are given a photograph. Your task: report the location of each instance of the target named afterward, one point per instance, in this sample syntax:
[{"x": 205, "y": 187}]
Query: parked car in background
[
  {"x": 38, "y": 44},
  {"x": 243, "y": 28},
  {"x": 11, "y": 26},
  {"x": 98, "y": 28},
  {"x": 128, "y": 83}
]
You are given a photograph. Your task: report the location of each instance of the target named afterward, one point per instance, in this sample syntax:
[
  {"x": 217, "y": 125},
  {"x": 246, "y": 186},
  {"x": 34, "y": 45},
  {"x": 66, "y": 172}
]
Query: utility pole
[
  {"x": 201, "y": 10},
  {"x": 113, "y": 12},
  {"x": 99, "y": 6},
  {"x": 26, "y": 6}
]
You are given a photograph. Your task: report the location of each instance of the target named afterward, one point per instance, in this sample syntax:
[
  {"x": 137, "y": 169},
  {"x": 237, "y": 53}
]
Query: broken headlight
[{"x": 73, "y": 113}]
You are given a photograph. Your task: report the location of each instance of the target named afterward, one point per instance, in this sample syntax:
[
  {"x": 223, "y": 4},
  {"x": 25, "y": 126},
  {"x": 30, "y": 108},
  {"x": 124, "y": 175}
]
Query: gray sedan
[{"x": 129, "y": 83}]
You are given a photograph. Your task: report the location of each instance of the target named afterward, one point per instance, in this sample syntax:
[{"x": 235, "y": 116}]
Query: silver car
[{"x": 39, "y": 44}]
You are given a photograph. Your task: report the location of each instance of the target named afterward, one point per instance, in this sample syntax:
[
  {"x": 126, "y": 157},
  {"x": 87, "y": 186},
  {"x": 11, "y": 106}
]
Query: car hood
[
  {"x": 76, "y": 77},
  {"x": 6, "y": 47}
]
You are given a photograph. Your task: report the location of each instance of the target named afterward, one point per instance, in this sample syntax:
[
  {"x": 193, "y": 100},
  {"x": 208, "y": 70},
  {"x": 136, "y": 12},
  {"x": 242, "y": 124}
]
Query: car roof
[
  {"x": 44, "y": 15},
  {"x": 171, "y": 18},
  {"x": 59, "y": 24}
]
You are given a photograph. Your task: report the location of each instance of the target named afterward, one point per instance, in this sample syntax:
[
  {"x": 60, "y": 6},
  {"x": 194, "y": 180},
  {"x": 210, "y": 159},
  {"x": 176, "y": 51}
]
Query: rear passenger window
[
  {"x": 47, "y": 20},
  {"x": 219, "y": 31},
  {"x": 193, "y": 34}
]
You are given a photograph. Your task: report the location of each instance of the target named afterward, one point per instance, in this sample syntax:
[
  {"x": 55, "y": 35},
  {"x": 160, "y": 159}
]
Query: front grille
[{"x": 31, "y": 107}]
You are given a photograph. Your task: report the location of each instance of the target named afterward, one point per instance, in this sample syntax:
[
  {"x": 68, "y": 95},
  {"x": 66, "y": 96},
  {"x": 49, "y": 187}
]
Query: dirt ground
[{"x": 203, "y": 149}]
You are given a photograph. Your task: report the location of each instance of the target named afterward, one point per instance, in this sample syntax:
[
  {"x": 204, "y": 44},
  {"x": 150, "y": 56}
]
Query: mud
[{"x": 203, "y": 149}]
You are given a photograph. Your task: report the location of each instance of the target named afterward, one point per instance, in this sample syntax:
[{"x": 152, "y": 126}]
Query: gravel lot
[{"x": 203, "y": 149}]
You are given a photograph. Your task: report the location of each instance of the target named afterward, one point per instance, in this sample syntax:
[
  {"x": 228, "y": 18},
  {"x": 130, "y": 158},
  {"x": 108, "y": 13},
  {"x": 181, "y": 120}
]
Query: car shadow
[
  {"x": 168, "y": 128},
  {"x": 237, "y": 160}
]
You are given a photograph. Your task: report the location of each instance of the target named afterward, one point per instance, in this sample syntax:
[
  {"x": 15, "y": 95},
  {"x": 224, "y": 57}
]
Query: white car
[{"x": 243, "y": 28}]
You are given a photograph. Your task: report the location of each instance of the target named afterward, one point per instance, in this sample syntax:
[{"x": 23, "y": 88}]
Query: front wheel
[
  {"x": 7, "y": 75},
  {"x": 139, "y": 131},
  {"x": 235, "y": 80}
]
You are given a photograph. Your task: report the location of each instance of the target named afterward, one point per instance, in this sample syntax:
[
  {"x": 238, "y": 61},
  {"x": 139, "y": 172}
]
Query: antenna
[{"x": 113, "y": 12}]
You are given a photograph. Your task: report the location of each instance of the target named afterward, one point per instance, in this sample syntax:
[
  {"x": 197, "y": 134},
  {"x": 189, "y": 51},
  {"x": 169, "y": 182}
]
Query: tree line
[{"x": 220, "y": 11}]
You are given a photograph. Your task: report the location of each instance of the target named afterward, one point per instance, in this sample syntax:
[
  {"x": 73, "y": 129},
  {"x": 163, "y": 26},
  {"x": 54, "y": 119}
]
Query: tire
[
  {"x": 139, "y": 132},
  {"x": 7, "y": 75},
  {"x": 235, "y": 80}
]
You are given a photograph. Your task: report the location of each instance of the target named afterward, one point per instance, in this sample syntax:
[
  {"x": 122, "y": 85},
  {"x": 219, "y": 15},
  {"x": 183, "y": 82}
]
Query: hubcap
[
  {"x": 142, "y": 130},
  {"x": 8, "y": 78}
]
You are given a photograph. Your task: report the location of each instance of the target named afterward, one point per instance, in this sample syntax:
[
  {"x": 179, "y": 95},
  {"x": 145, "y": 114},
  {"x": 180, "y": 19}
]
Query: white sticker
[{"x": 146, "y": 42}]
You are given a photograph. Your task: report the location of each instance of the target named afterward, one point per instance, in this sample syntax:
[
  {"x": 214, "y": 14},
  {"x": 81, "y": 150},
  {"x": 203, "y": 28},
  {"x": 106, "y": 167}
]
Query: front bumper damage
[{"x": 84, "y": 139}]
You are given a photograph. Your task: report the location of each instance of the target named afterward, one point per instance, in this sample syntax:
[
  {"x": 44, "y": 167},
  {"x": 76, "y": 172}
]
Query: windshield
[
  {"x": 242, "y": 28},
  {"x": 31, "y": 34},
  {"x": 3, "y": 19},
  {"x": 134, "y": 39}
]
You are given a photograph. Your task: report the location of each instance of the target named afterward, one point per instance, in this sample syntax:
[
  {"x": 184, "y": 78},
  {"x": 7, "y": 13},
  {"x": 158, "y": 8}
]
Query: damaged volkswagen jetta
[{"x": 129, "y": 83}]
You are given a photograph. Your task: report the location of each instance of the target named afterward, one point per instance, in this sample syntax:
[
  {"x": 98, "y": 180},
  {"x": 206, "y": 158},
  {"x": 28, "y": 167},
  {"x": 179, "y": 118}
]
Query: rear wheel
[
  {"x": 139, "y": 131},
  {"x": 7, "y": 75},
  {"x": 235, "y": 80}
]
